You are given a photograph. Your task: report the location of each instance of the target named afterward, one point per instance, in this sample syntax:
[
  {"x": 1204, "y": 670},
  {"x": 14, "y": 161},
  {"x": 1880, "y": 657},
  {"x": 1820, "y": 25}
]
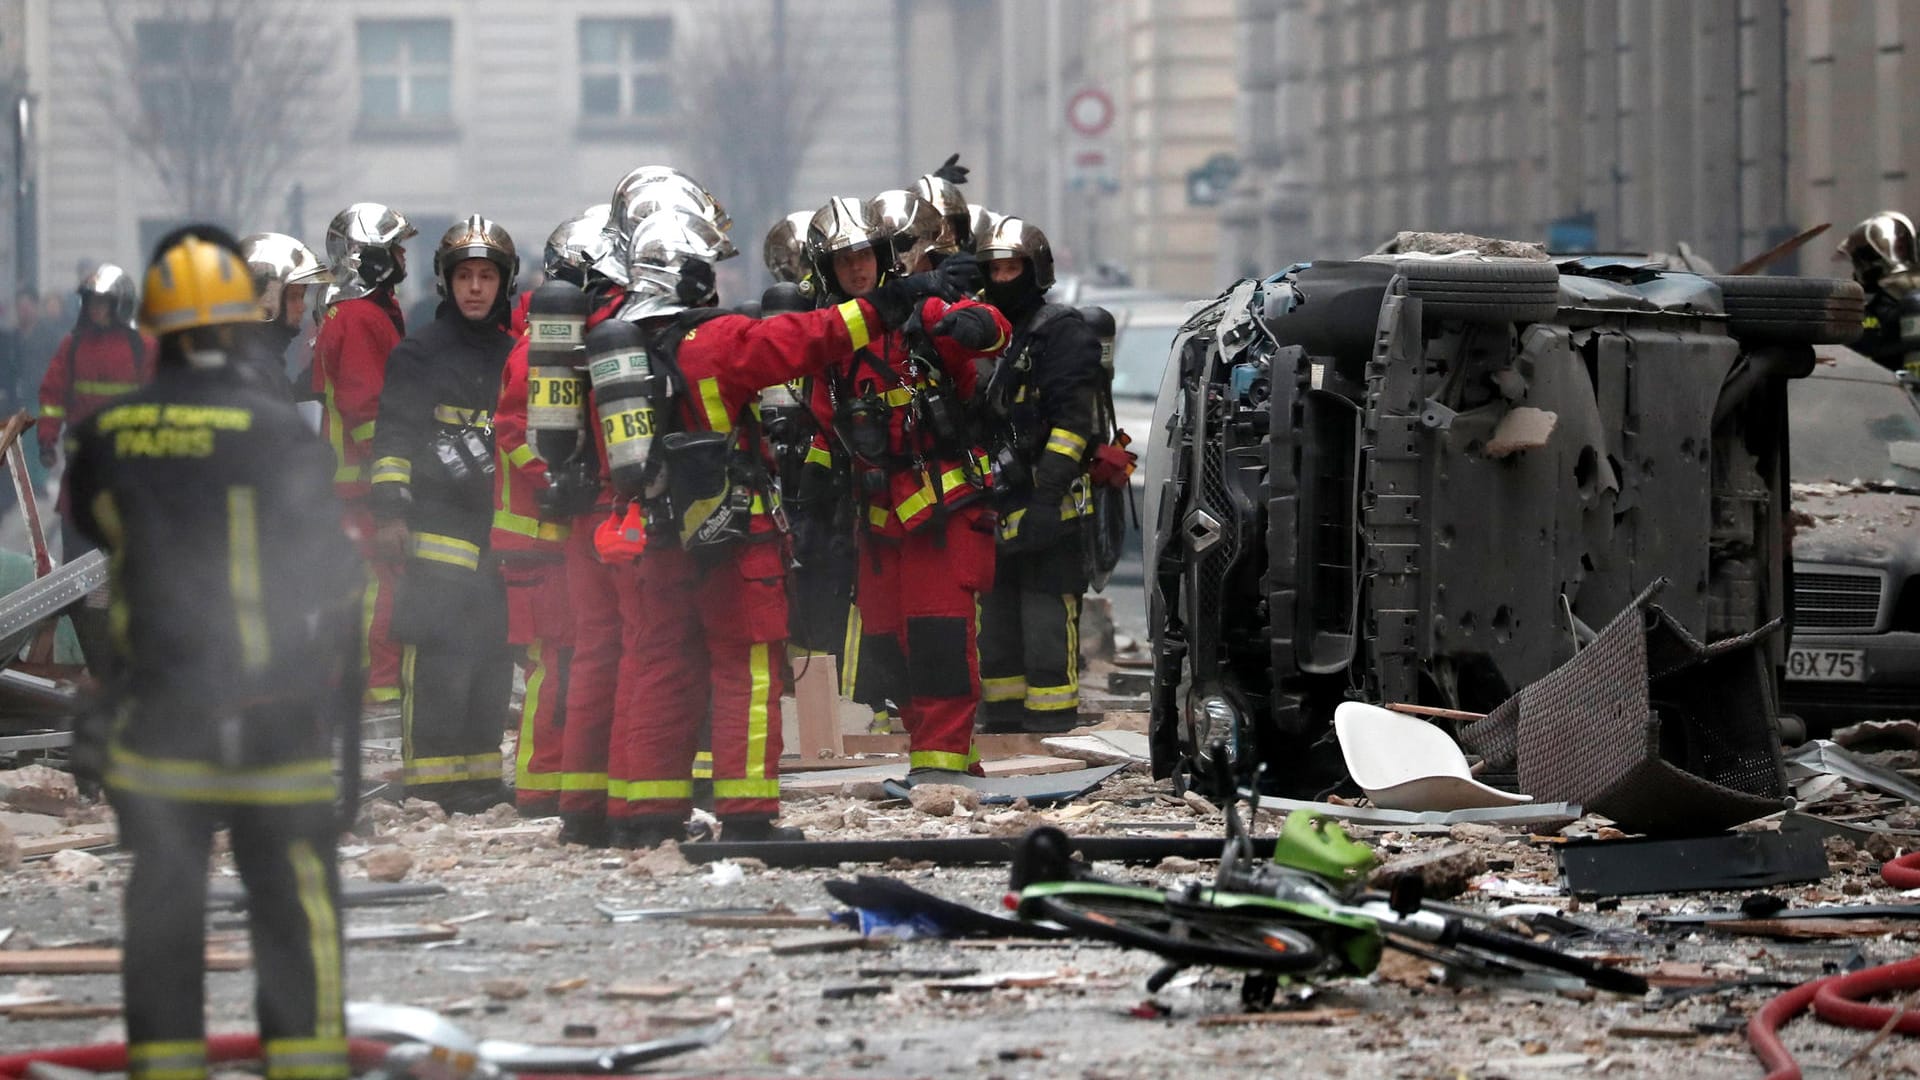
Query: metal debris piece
[
  {"x": 1746, "y": 860},
  {"x": 1557, "y": 813},
  {"x": 1826, "y": 757}
]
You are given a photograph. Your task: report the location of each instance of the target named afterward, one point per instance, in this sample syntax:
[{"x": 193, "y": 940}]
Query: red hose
[
  {"x": 1903, "y": 872},
  {"x": 1838, "y": 1000},
  {"x": 1763, "y": 1031}
]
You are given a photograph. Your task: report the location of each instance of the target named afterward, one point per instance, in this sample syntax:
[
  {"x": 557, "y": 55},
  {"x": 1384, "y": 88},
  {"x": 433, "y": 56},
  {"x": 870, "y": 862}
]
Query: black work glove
[
  {"x": 951, "y": 170},
  {"x": 962, "y": 271},
  {"x": 1041, "y": 524},
  {"x": 696, "y": 287},
  {"x": 896, "y": 301},
  {"x": 973, "y": 328}
]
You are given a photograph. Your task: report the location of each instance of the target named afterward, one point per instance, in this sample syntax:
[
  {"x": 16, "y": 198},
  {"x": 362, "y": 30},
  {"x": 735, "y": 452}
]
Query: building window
[
  {"x": 624, "y": 68},
  {"x": 406, "y": 70},
  {"x": 186, "y": 73}
]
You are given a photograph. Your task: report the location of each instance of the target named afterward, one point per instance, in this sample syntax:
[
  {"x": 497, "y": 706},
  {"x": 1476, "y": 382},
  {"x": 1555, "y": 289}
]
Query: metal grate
[{"x": 1836, "y": 601}]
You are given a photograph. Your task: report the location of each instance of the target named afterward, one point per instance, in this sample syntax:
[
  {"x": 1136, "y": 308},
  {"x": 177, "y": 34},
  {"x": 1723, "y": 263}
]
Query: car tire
[
  {"x": 1500, "y": 291},
  {"x": 1806, "y": 310}
]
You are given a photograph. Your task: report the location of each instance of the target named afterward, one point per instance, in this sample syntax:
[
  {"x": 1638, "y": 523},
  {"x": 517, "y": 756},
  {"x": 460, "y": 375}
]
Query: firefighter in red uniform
[
  {"x": 925, "y": 530},
  {"x": 531, "y": 534},
  {"x": 361, "y": 326},
  {"x": 102, "y": 358},
  {"x": 603, "y": 594},
  {"x": 673, "y": 382}
]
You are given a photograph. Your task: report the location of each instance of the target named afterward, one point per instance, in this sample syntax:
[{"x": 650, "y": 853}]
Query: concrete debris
[
  {"x": 77, "y": 865},
  {"x": 943, "y": 800},
  {"x": 1416, "y": 242},
  {"x": 37, "y": 789},
  {"x": 1443, "y": 873},
  {"x": 1524, "y": 428},
  {"x": 387, "y": 864},
  {"x": 660, "y": 862},
  {"x": 9, "y": 848}
]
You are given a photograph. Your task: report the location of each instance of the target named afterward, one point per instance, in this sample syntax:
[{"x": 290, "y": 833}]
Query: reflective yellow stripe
[
  {"x": 408, "y": 655},
  {"x": 1062, "y": 698},
  {"x": 336, "y": 438},
  {"x": 703, "y": 765},
  {"x": 243, "y": 579},
  {"x": 363, "y": 432},
  {"x": 911, "y": 506},
  {"x": 819, "y": 455},
  {"x": 876, "y": 517},
  {"x": 459, "y": 417},
  {"x": 198, "y": 781},
  {"x": 758, "y": 709},
  {"x": 714, "y": 407},
  {"x": 1066, "y": 443},
  {"x": 452, "y": 769},
  {"x": 53, "y": 412},
  {"x": 179, "y": 1059},
  {"x": 850, "y": 653},
  {"x": 522, "y": 525},
  {"x": 450, "y": 550},
  {"x": 323, "y": 942},
  {"x": 524, "y": 778},
  {"x": 747, "y": 789},
  {"x": 1053, "y": 698},
  {"x": 644, "y": 790},
  {"x": 583, "y": 781},
  {"x": 393, "y": 470},
  {"x": 383, "y": 693},
  {"x": 936, "y": 759},
  {"x": 104, "y": 389},
  {"x": 856, "y": 321},
  {"x": 898, "y": 397},
  {"x": 520, "y": 456},
  {"x": 1008, "y": 688}
]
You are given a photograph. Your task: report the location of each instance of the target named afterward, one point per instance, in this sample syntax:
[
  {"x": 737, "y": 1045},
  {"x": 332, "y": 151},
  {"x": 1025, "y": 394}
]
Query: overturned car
[{"x": 1426, "y": 480}]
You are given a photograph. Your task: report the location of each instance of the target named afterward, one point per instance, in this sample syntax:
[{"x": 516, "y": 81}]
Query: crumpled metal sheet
[
  {"x": 1826, "y": 757},
  {"x": 417, "y": 1027}
]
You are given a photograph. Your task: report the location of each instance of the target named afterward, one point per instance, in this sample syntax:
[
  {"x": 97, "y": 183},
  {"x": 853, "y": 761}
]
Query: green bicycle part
[
  {"x": 1041, "y": 889},
  {"x": 1319, "y": 846},
  {"x": 1356, "y": 938}
]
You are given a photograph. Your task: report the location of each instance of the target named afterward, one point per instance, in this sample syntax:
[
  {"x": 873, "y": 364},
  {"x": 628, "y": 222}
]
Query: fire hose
[
  {"x": 1839, "y": 999},
  {"x": 363, "y": 1054}
]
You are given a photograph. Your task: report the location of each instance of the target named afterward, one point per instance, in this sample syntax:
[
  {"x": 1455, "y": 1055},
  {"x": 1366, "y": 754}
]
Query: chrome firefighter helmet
[
  {"x": 945, "y": 198},
  {"x": 1882, "y": 245},
  {"x": 657, "y": 254},
  {"x": 476, "y": 238},
  {"x": 113, "y": 283},
  {"x": 1012, "y": 238},
  {"x": 785, "y": 251},
  {"x": 844, "y": 224},
  {"x": 363, "y": 243},
  {"x": 980, "y": 222},
  {"x": 578, "y": 245},
  {"x": 279, "y": 262},
  {"x": 918, "y": 229},
  {"x": 654, "y": 189}
]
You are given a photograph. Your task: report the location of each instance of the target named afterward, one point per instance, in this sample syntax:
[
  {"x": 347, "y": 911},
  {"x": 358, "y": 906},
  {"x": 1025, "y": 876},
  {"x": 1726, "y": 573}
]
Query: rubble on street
[{"x": 491, "y": 923}]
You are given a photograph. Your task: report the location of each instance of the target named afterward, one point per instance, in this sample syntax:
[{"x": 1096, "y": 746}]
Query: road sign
[{"x": 1090, "y": 112}]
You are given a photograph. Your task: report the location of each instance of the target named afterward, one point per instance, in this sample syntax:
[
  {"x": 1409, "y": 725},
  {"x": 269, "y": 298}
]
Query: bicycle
[{"x": 1305, "y": 914}]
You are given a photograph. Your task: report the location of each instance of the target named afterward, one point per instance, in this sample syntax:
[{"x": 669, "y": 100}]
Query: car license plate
[{"x": 1809, "y": 664}]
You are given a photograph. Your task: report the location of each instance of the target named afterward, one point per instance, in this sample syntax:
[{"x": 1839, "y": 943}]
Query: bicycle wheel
[
  {"x": 1192, "y": 937},
  {"x": 1524, "y": 952}
]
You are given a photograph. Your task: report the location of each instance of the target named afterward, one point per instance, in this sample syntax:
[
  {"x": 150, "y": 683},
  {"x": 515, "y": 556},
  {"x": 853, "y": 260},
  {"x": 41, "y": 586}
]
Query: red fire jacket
[
  {"x": 91, "y": 367},
  {"x": 349, "y": 369}
]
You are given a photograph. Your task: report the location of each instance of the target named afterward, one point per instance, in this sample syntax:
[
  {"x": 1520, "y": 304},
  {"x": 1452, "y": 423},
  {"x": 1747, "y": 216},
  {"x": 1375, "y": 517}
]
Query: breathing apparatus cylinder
[
  {"x": 1100, "y": 320},
  {"x": 556, "y": 387},
  {"x": 629, "y": 397}
]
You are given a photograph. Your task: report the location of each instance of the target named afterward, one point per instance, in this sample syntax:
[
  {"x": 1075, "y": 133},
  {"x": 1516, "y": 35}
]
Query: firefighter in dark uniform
[
  {"x": 1886, "y": 262},
  {"x": 236, "y": 624},
  {"x": 1043, "y": 398},
  {"x": 432, "y": 494}
]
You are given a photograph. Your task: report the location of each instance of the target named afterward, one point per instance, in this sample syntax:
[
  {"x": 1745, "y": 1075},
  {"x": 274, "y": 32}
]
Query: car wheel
[
  {"x": 1807, "y": 310},
  {"x": 1502, "y": 291}
]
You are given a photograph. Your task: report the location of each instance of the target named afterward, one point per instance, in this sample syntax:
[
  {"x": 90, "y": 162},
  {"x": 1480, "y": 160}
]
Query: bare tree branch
[
  {"x": 752, "y": 105},
  {"x": 222, "y": 102}
]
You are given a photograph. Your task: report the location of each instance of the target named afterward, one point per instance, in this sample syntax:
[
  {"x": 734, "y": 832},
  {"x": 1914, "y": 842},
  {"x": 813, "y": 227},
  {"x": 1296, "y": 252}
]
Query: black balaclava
[{"x": 1018, "y": 298}]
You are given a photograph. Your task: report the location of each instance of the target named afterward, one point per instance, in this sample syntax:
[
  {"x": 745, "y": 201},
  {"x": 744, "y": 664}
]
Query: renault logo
[{"x": 1203, "y": 531}]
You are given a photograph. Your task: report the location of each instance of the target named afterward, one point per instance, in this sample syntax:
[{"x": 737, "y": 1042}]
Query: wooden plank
[
  {"x": 1307, "y": 1018},
  {"x": 48, "y": 845},
  {"x": 96, "y": 961},
  {"x": 832, "y": 942},
  {"x": 66, "y": 1010},
  {"x": 760, "y": 922},
  {"x": 817, "y": 699},
  {"x": 1031, "y": 765},
  {"x": 645, "y": 991}
]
